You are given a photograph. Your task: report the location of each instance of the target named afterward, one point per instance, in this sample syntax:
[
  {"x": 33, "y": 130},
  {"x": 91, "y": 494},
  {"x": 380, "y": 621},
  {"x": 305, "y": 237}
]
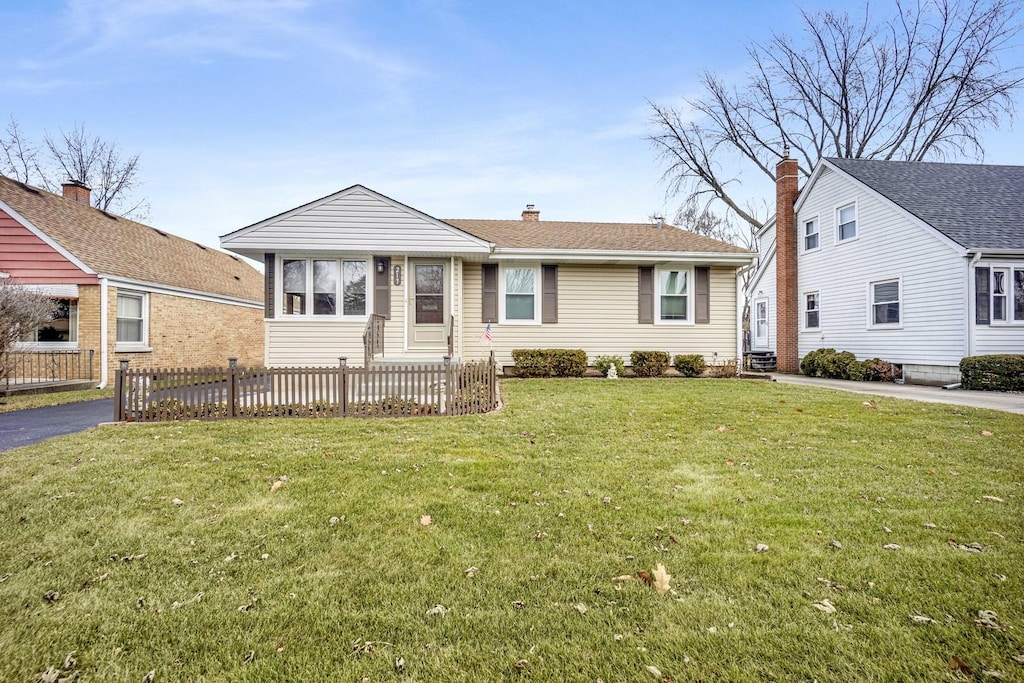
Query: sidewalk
[{"x": 993, "y": 400}]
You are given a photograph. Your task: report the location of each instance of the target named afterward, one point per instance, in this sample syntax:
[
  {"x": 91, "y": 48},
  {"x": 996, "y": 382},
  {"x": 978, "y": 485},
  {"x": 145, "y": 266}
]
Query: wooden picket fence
[{"x": 158, "y": 395}]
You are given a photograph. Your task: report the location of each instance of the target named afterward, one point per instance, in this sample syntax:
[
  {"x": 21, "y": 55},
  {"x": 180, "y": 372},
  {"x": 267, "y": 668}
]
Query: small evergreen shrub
[
  {"x": 689, "y": 365},
  {"x": 997, "y": 372},
  {"x": 605, "y": 363},
  {"x": 649, "y": 363},
  {"x": 878, "y": 370},
  {"x": 837, "y": 365},
  {"x": 833, "y": 364},
  {"x": 549, "y": 362},
  {"x": 810, "y": 365}
]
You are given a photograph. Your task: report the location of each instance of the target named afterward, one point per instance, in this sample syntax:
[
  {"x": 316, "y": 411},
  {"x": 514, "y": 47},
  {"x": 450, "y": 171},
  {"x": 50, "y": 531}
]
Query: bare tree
[
  {"x": 21, "y": 310},
  {"x": 77, "y": 157},
  {"x": 919, "y": 85},
  {"x": 99, "y": 165},
  {"x": 19, "y": 158}
]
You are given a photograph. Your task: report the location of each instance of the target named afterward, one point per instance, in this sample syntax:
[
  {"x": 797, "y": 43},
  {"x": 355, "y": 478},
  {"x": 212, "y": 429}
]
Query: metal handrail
[{"x": 451, "y": 336}]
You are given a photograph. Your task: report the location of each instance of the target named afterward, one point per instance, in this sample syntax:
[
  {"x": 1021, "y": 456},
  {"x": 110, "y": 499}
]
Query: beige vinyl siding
[
  {"x": 355, "y": 222},
  {"x": 318, "y": 341},
  {"x": 889, "y": 245},
  {"x": 597, "y": 311}
]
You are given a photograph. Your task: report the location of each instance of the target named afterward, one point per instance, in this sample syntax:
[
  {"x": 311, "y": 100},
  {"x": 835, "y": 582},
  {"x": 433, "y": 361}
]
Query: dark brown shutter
[
  {"x": 702, "y": 288},
  {"x": 382, "y": 288},
  {"x": 489, "y": 283},
  {"x": 645, "y": 300},
  {"x": 982, "y": 296},
  {"x": 269, "y": 278},
  {"x": 549, "y": 302}
]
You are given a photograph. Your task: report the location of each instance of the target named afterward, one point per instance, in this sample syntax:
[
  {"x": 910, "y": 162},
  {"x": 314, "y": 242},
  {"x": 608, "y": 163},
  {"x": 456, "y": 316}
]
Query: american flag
[{"x": 485, "y": 338}]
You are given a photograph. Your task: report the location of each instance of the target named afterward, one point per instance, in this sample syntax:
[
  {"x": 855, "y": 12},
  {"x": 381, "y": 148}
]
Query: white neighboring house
[{"x": 917, "y": 263}]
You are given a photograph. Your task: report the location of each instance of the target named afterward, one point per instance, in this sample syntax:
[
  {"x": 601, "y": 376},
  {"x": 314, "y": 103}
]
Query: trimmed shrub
[
  {"x": 689, "y": 365},
  {"x": 810, "y": 365},
  {"x": 550, "y": 362},
  {"x": 997, "y": 372},
  {"x": 605, "y": 363},
  {"x": 838, "y": 365},
  {"x": 648, "y": 363}
]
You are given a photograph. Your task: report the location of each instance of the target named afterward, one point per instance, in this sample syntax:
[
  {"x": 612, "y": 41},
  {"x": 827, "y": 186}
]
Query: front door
[
  {"x": 761, "y": 324},
  {"x": 428, "y": 305}
]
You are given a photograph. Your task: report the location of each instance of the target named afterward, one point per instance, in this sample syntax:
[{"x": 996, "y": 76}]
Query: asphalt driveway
[{"x": 25, "y": 427}]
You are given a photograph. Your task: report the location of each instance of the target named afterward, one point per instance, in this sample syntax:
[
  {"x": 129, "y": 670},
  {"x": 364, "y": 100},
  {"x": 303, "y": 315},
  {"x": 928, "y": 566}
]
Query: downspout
[
  {"x": 739, "y": 313},
  {"x": 104, "y": 303},
  {"x": 971, "y": 296}
]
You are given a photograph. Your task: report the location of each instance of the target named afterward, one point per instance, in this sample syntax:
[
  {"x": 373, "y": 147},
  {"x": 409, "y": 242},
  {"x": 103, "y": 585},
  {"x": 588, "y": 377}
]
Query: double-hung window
[
  {"x": 1008, "y": 295},
  {"x": 812, "y": 310},
  {"x": 131, "y": 318},
  {"x": 846, "y": 222},
  {"x": 885, "y": 302},
  {"x": 673, "y": 295},
  {"x": 315, "y": 286},
  {"x": 519, "y": 294},
  {"x": 811, "y": 234}
]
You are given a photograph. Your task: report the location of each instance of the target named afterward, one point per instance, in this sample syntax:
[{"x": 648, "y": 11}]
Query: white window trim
[
  {"x": 53, "y": 345},
  {"x": 1008, "y": 268},
  {"x": 803, "y": 234},
  {"x": 279, "y": 308},
  {"x": 871, "y": 305},
  {"x": 766, "y": 342},
  {"x": 803, "y": 314},
  {"x": 537, "y": 293},
  {"x": 690, "y": 295},
  {"x": 856, "y": 222},
  {"x": 139, "y": 346}
]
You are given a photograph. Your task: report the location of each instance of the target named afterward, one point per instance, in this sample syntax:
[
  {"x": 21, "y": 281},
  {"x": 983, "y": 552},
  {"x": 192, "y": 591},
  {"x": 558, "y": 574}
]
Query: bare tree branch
[{"x": 921, "y": 84}]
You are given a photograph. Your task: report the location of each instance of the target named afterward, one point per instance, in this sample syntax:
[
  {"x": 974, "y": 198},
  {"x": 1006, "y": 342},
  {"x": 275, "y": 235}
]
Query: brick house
[
  {"x": 126, "y": 290},
  {"x": 917, "y": 263}
]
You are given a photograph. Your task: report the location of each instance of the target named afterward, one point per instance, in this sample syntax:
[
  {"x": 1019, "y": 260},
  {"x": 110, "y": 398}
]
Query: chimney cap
[
  {"x": 75, "y": 183},
  {"x": 530, "y": 213}
]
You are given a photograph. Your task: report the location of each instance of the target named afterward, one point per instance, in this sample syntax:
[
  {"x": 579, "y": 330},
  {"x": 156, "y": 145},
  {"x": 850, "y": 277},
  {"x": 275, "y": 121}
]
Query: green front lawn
[
  {"x": 23, "y": 401},
  {"x": 302, "y": 549}
]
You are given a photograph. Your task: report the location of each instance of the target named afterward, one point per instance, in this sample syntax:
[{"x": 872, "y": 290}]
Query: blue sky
[{"x": 241, "y": 109}]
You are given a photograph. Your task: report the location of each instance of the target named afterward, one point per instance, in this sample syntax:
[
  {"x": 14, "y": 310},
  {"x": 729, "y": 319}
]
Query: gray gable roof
[{"x": 977, "y": 206}]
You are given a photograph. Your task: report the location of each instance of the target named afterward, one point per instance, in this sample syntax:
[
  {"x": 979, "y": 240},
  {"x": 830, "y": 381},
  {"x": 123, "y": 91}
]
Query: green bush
[
  {"x": 811, "y": 363},
  {"x": 550, "y": 362},
  {"x": 648, "y": 363},
  {"x": 999, "y": 372},
  {"x": 605, "y": 363},
  {"x": 833, "y": 364},
  {"x": 689, "y": 365}
]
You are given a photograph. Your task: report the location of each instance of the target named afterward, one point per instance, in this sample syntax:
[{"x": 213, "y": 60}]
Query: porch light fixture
[
  {"x": 397, "y": 270},
  {"x": 380, "y": 266}
]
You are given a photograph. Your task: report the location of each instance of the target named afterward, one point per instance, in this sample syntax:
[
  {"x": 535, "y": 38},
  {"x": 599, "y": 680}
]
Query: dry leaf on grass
[
  {"x": 992, "y": 673},
  {"x": 989, "y": 619},
  {"x": 426, "y": 520},
  {"x": 993, "y": 499},
  {"x": 762, "y": 547},
  {"x": 580, "y": 607},
  {"x": 150, "y": 676},
  {"x": 177, "y": 501},
  {"x": 437, "y": 610},
  {"x": 622, "y": 579},
  {"x": 960, "y": 665},
  {"x": 644, "y": 577},
  {"x": 825, "y": 606},
  {"x": 471, "y": 572},
  {"x": 920, "y": 619},
  {"x": 891, "y": 546},
  {"x": 654, "y": 671},
  {"x": 985, "y": 432},
  {"x": 661, "y": 579}
]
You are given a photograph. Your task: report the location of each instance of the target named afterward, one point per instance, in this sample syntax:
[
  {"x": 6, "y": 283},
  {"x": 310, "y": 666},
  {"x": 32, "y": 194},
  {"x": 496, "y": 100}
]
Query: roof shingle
[
  {"x": 977, "y": 206},
  {"x": 519, "y": 234},
  {"x": 111, "y": 245}
]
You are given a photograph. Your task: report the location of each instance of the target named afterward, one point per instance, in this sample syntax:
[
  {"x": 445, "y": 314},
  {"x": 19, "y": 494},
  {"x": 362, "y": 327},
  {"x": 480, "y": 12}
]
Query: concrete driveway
[
  {"x": 25, "y": 427},
  {"x": 993, "y": 400}
]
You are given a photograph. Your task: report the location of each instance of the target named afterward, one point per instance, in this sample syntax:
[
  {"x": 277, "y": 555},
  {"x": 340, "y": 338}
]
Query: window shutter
[
  {"x": 269, "y": 278},
  {"x": 645, "y": 300},
  {"x": 982, "y": 296},
  {"x": 549, "y": 302},
  {"x": 382, "y": 288},
  {"x": 489, "y": 278},
  {"x": 702, "y": 287}
]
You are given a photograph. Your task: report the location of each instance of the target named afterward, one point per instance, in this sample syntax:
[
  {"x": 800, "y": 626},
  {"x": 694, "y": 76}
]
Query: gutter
[
  {"x": 104, "y": 309},
  {"x": 971, "y": 296}
]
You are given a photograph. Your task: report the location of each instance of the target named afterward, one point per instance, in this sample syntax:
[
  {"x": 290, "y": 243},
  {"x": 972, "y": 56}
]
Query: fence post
[
  {"x": 492, "y": 380},
  {"x": 446, "y": 408},
  {"x": 119, "y": 391},
  {"x": 232, "y": 386},
  {"x": 342, "y": 386}
]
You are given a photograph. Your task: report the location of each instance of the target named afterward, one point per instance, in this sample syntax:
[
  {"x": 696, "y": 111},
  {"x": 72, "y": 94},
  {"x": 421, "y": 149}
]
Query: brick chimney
[
  {"x": 787, "y": 305},
  {"x": 531, "y": 214},
  {"x": 76, "y": 192}
]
